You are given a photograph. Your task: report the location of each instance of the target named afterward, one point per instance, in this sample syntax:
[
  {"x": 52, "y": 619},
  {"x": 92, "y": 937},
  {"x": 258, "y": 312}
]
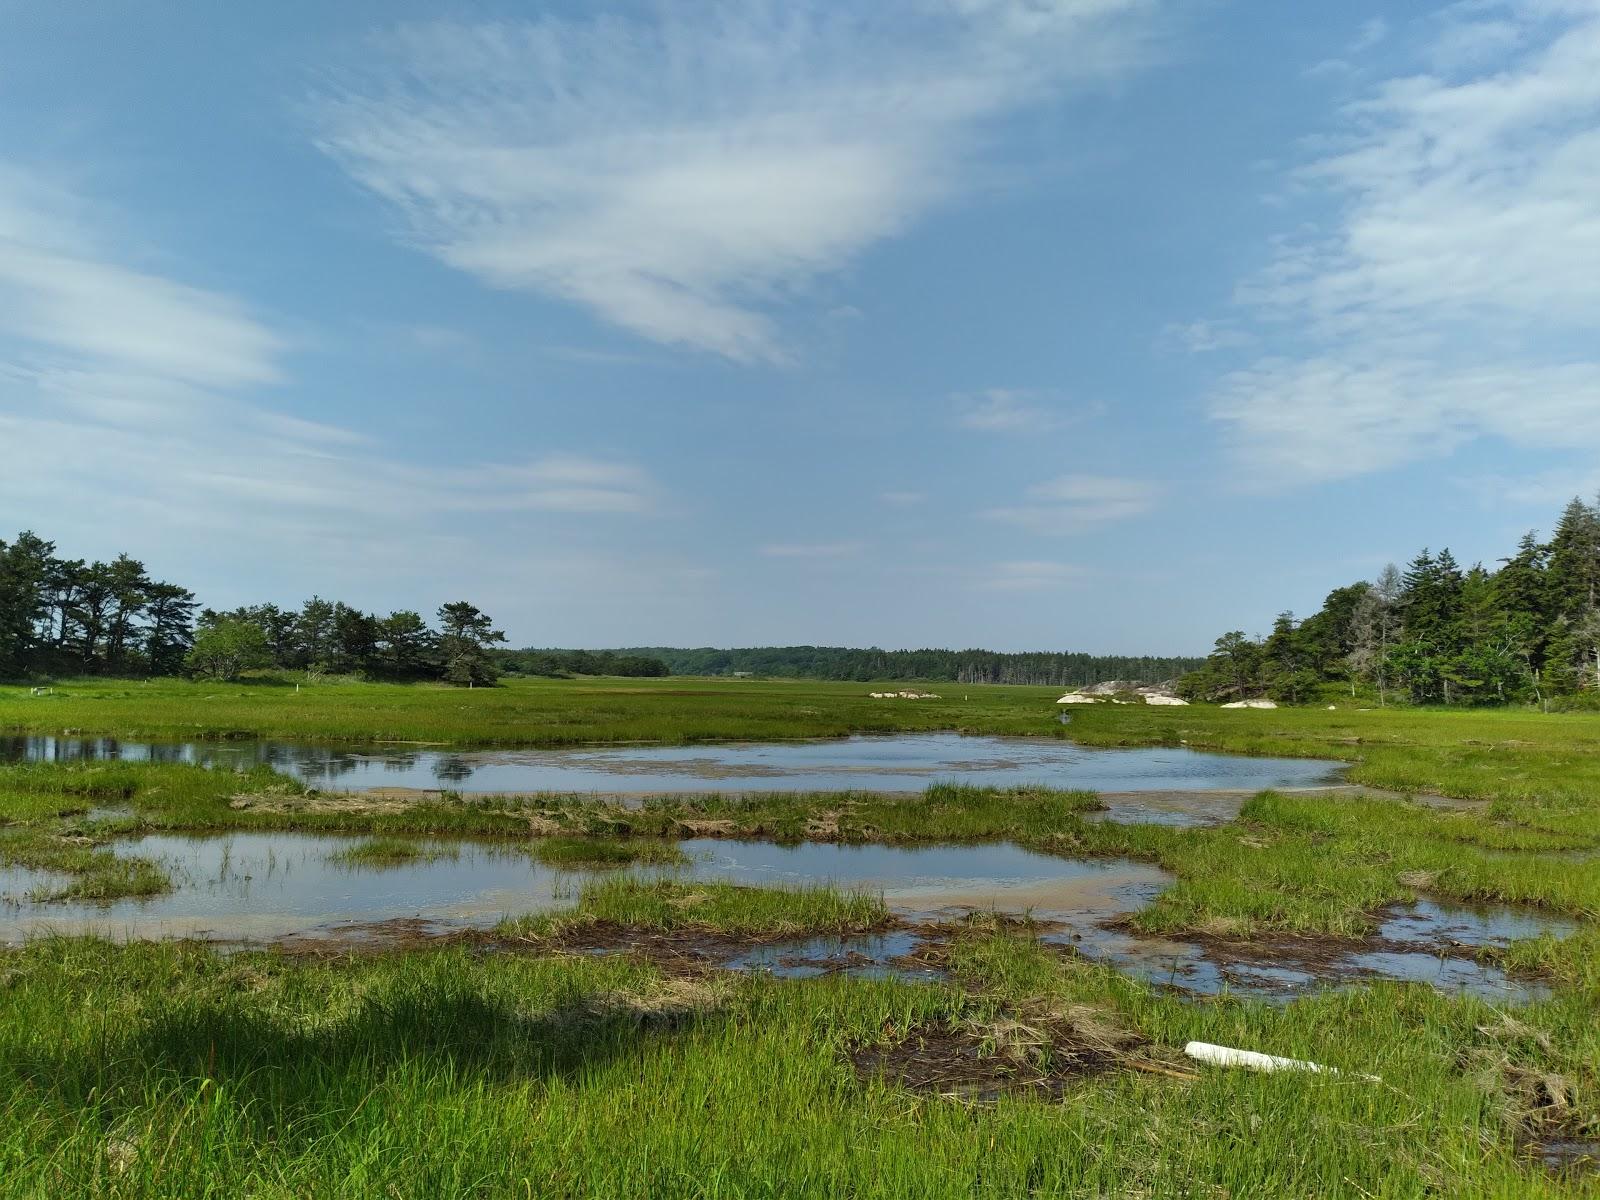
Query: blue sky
[{"x": 1090, "y": 324}]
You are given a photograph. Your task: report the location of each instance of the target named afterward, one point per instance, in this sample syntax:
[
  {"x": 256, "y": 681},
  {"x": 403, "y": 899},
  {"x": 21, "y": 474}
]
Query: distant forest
[
  {"x": 955, "y": 666},
  {"x": 581, "y": 662},
  {"x": 1527, "y": 631}
]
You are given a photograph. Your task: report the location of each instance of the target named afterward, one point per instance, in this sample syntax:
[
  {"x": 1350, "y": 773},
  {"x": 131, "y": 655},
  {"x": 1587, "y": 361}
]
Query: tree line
[
  {"x": 562, "y": 663},
  {"x": 953, "y": 666},
  {"x": 331, "y": 637},
  {"x": 67, "y": 616},
  {"x": 63, "y": 616},
  {"x": 1527, "y": 631}
]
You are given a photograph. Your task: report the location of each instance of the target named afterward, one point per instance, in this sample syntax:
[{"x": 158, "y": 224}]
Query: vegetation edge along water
[{"x": 155, "y": 1069}]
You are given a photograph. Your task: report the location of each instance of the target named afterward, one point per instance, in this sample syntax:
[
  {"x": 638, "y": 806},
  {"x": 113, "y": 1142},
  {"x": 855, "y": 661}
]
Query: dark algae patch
[{"x": 1040, "y": 1054}]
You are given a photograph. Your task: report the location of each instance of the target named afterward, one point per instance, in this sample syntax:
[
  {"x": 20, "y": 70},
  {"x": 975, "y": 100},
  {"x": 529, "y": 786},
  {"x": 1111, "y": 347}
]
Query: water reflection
[
  {"x": 254, "y": 886},
  {"x": 1425, "y": 942},
  {"x": 903, "y": 763}
]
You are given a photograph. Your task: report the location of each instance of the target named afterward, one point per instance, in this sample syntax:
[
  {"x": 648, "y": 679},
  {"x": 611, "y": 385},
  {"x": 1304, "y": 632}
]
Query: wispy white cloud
[
  {"x": 1547, "y": 490},
  {"x": 1204, "y": 337},
  {"x": 1372, "y": 31},
  {"x": 60, "y": 294},
  {"x": 1009, "y": 410},
  {"x": 679, "y": 174},
  {"x": 1462, "y": 45},
  {"x": 1072, "y": 503},
  {"x": 130, "y": 391},
  {"x": 1335, "y": 416},
  {"x": 561, "y": 483},
  {"x": 1369, "y": 34},
  {"x": 1454, "y": 296}
]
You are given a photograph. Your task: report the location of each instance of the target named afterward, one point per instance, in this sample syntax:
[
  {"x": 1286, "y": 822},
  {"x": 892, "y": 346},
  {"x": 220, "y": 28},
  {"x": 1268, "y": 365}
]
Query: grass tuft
[
  {"x": 606, "y": 852},
  {"x": 673, "y": 906},
  {"x": 390, "y": 852}
]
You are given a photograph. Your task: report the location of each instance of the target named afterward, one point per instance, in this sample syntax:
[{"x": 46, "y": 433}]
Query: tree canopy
[
  {"x": 958, "y": 666},
  {"x": 1437, "y": 634},
  {"x": 68, "y": 616}
]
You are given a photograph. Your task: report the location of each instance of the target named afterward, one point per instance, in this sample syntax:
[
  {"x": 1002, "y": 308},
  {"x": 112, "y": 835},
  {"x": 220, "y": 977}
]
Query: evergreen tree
[
  {"x": 405, "y": 644},
  {"x": 1519, "y": 585},
  {"x": 466, "y": 633},
  {"x": 355, "y": 640},
  {"x": 170, "y": 612},
  {"x": 25, "y": 576},
  {"x": 313, "y": 633},
  {"x": 1288, "y": 673},
  {"x": 1573, "y": 574}
]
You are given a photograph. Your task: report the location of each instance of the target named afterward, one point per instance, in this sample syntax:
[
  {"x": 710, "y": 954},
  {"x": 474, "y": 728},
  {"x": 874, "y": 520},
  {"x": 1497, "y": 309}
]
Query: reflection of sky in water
[
  {"x": 269, "y": 884},
  {"x": 907, "y": 762},
  {"x": 264, "y": 885},
  {"x": 1425, "y": 925}
]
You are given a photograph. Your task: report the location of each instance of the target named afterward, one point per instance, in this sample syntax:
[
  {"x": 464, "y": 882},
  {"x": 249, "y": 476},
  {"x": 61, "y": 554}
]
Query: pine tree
[
  {"x": 1574, "y": 563},
  {"x": 463, "y": 644},
  {"x": 25, "y": 572}
]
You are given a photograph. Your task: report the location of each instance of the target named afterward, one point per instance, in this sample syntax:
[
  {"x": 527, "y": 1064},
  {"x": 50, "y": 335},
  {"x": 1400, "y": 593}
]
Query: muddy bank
[
  {"x": 1180, "y": 808},
  {"x": 301, "y": 891},
  {"x": 1039, "y": 1052},
  {"x": 1453, "y": 948}
]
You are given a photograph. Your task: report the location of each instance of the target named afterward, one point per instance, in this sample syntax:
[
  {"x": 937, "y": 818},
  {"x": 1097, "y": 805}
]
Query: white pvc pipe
[{"x": 1227, "y": 1056}]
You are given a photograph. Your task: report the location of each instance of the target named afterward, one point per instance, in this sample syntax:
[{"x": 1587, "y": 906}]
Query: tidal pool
[
  {"x": 255, "y": 886},
  {"x": 1423, "y": 942},
  {"x": 893, "y": 763},
  {"x": 261, "y": 887}
]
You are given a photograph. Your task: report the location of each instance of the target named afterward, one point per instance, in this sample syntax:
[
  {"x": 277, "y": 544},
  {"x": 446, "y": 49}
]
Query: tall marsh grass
[{"x": 160, "y": 1071}]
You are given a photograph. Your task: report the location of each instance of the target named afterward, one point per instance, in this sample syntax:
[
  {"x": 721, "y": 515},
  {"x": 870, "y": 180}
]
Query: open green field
[
  {"x": 168, "y": 1070},
  {"x": 444, "y": 1070},
  {"x": 530, "y": 712}
]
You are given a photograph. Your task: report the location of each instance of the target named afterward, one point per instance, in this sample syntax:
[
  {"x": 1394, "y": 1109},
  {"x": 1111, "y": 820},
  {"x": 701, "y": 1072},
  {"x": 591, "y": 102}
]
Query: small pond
[
  {"x": 895, "y": 763},
  {"x": 266, "y": 885},
  {"x": 251, "y": 887}
]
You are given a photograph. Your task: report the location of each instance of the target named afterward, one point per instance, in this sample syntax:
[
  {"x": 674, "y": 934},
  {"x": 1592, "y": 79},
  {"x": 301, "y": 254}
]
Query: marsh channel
[{"x": 295, "y": 890}]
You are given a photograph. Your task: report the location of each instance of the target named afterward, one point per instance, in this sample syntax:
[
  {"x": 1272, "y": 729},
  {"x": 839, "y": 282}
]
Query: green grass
[
  {"x": 528, "y": 712},
  {"x": 1546, "y": 765},
  {"x": 166, "y": 1070},
  {"x": 605, "y": 852},
  {"x": 1308, "y": 864},
  {"x": 82, "y": 870},
  {"x": 158, "y": 1069},
  {"x": 942, "y": 812},
  {"x": 382, "y": 852},
  {"x": 673, "y": 906}
]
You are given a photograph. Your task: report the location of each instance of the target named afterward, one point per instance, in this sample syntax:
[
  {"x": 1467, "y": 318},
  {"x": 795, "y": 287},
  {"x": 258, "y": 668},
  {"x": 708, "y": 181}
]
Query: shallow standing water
[
  {"x": 256, "y": 886},
  {"x": 895, "y": 763},
  {"x": 266, "y": 885},
  {"x": 243, "y": 887}
]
